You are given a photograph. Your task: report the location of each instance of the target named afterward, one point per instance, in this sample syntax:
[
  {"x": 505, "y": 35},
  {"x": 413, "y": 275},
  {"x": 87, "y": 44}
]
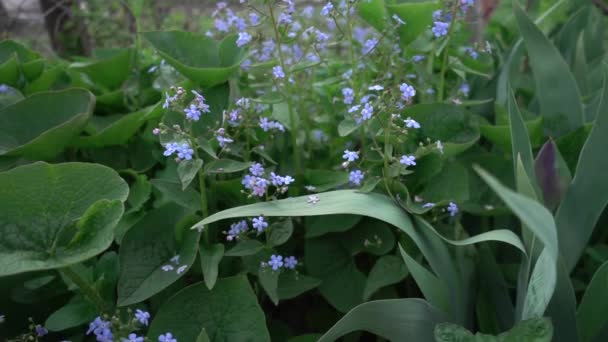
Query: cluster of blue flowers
[
  {"x": 258, "y": 184},
  {"x": 183, "y": 150},
  {"x": 277, "y": 262},
  {"x": 102, "y": 329}
]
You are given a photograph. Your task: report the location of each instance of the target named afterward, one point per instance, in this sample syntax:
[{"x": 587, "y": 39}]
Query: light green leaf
[
  {"x": 189, "y": 198},
  {"x": 226, "y": 166},
  {"x": 229, "y": 312},
  {"x": 280, "y": 112},
  {"x": 374, "y": 12},
  {"x": 112, "y": 130},
  {"x": 418, "y": 17},
  {"x": 387, "y": 270},
  {"x": 540, "y": 287},
  {"x": 395, "y": 320},
  {"x": 25, "y": 132},
  {"x": 199, "y": 58},
  {"x": 57, "y": 215},
  {"x": 147, "y": 247},
  {"x": 187, "y": 170},
  {"x": 592, "y": 313},
  {"x": 210, "y": 260},
  {"x": 139, "y": 193},
  {"x": 110, "y": 70},
  {"x": 558, "y": 93}
]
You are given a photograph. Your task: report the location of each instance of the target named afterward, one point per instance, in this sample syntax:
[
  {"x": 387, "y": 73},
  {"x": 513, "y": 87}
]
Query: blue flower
[
  {"x": 236, "y": 229},
  {"x": 143, "y": 316},
  {"x": 259, "y": 223},
  {"x": 256, "y": 169},
  {"x": 133, "y": 338},
  {"x": 291, "y": 262},
  {"x": 440, "y": 28},
  {"x": 254, "y": 18},
  {"x": 284, "y": 18},
  {"x": 3, "y": 88},
  {"x": 465, "y": 4},
  {"x": 244, "y": 38},
  {"x": 407, "y": 91},
  {"x": 369, "y": 45},
  {"x": 465, "y": 89},
  {"x": 192, "y": 113},
  {"x": 471, "y": 52},
  {"x": 221, "y": 25},
  {"x": 327, "y": 9},
  {"x": 452, "y": 209},
  {"x": 277, "y": 72},
  {"x": 170, "y": 148},
  {"x": 223, "y": 141},
  {"x": 417, "y": 58},
  {"x": 366, "y": 113},
  {"x": 41, "y": 331},
  {"x": 428, "y": 205},
  {"x": 411, "y": 123},
  {"x": 101, "y": 329},
  {"x": 349, "y": 96},
  {"x": 185, "y": 152},
  {"x": 276, "y": 261},
  {"x": 167, "y": 337},
  {"x": 408, "y": 160},
  {"x": 350, "y": 155},
  {"x": 355, "y": 177}
]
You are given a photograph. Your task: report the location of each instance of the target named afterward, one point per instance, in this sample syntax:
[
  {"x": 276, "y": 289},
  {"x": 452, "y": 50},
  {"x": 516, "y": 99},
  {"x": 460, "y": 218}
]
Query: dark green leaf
[
  {"x": 210, "y": 260},
  {"x": 188, "y": 199},
  {"x": 387, "y": 270},
  {"x": 76, "y": 312},
  {"x": 280, "y": 232},
  {"x": 592, "y": 313},
  {"x": 269, "y": 280},
  {"x": 244, "y": 248},
  {"x": 187, "y": 170},
  {"x": 292, "y": 284},
  {"x": 226, "y": 166}
]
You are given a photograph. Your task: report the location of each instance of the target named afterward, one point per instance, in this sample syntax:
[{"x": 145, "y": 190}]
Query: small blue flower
[
  {"x": 167, "y": 337},
  {"x": 417, "y": 58},
  {"x": 408, "y": 160},
  {"x": 327, "y": 9},
  {"x": 369, "y": 45},
  {"x": 223, "y": 141},
  {"x": 192, "y": 113},
  {"x": 437, "y": 15},
  {"x": 291, "y": 262},
  {"x": 3, "y": 88},
  {"x": 256, "y": 169},
  {"x": 349, "y": 96},
  {"x": 144, "y": 316},
  {"x": 351, "y": 156},
  {"x": 244, "y": 38},
  {"x": 41, "y": 331},
  {"x": 185, "y": 152},
  {"x": 276, "y": 261},
  {"x": 471, "y": 52},
  {"x": 254, "y": 18},
  {"x": 221, "y": 25},
  {"x": 465, "y": 4},
  {"x": 465, "y": 89},
  {"x": 101, "y": 329},
  {"x": 407, "y": 91},
  {"x": 277, "y": 72},
  {"x": 355, "y": 177},
  {"x": 259, "y": 223},
  {"x": 285, "y": 18},
  {"x": 133, "y": 338},
  {"x": 440, "y": 28},
  {"x": 452, "y": 209},
  {"x": 167, "y": 268},
  {"x": 428, "y": 205},
  {"x": 411, "y": 123},
  {"x": 366, "y": 113},
  {"x": 288, "y": 180},
  {"x": 259, "y": 187},
  {"x": 170, "y": 148}
]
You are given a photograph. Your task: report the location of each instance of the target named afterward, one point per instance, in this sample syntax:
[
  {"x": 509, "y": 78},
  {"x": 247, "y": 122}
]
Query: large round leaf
[
  {"x": 199, "y": 58},
  {"x": 40, "y": 126},
  {"x": 418, "y": 17},
  {"x": 57, "y": 215},
  {"x": 110, "y": 70}
]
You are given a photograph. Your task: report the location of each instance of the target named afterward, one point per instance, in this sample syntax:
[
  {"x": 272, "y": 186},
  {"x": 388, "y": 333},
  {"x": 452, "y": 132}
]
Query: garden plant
[{"x": 354, "y": 170}]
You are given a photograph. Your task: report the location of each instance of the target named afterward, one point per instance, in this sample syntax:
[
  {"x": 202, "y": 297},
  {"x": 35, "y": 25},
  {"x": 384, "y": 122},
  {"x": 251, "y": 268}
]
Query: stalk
[
  {"x": 87, "y": 290},
  {"x": 444, "y": 63}
]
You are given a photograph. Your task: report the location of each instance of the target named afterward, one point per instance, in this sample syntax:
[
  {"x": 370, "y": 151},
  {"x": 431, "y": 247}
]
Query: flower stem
[
  {"x": 444, "y": 63},
  {"x": 87, "y": 290}
]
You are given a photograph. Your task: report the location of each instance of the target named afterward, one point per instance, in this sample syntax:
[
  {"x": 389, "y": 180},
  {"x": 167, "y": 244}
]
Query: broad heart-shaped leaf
[
  {"x": 587, "y": 195},
  {"x": 229, "y": 312},
  {"x": 374, "y": 12},
  {"x": 592, "y": 313},
  {"x": 387, "y": 270},
  {"x": 269, "y": 280},
  {"x": 188, "y": 198},
  {"x": 199, "y": 58},
  {"x": 57, "y": 215},
  {"x": 292, "y": 284},
  {"x": 558, "y": 93},
  {"x": 187, "y": 170},
  {"x": 418, "y": 17},
  {"x": 457, "y": 129},
  {"x": 112, "y": 129},
  {"x": 147, "y": 247},
  {"x": 111, "y": 70},
  {"x": 77, "y": 311},
  {"x": 40, "y": 126},
  {"x": 394, "y": 319}
]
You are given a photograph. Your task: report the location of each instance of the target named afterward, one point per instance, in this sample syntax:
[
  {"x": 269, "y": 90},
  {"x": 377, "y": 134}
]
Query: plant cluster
[{"x": 356, "y": 170}]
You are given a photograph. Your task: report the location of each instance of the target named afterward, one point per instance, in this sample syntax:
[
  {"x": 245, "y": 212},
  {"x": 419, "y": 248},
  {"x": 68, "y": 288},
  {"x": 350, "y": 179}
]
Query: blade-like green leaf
[
  {"x": 395, "y": 320},
  {"x": 111, "y": 70},
  {"x": 558, "y": 93},
  {"x": 24, "y": 131},
  {"x": 520, "y": 141},
  {"x": 592, "y": 313},
  {"x": 540, "y": 287},
  {"x": 229, "y": 312}
]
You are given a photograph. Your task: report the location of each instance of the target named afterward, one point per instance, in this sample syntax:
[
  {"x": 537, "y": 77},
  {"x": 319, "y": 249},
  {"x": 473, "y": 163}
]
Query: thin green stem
[
  {"x": 87, "y": 290},
  {"x": 292, "y": 116},
  {"x": 444, "y": 63},
  {"x": 203, "y": 189}
]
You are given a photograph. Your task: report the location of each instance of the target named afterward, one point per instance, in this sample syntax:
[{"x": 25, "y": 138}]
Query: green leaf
[
  {"x": 229, "y": 312},
  {"x": 343, "y": 288},
  {"x": 587, "y": 195},
  {"x": 189, "y": 198},
  {"x": 457, "y": 129},
  {"x": 244, "y": 248},
  {"x": 187, "y": 170},
  {"x": 387, "y": 270},
  {"x": 395, "y": 320},
  {"x": 346, "y": 127},
  {"x": 558, "y": 93},
  {"x": 57, "y": 215},
  {"x": 280, "y": 232},
  {"x": 374, "y": 12},
  {"x": 226, "y": 166},
  {"x": 210, "y": 260},
  {"x": 552, "y": 174},
  {"x": 592, "y": 313},
  {"x": 269, "y": 280},
  {"x": 139, "y": 193},
  {"x": 293, "y": 284},
  {"x": 25, "y": 132},
  {"x": 532, "y": 330},
  {"x": 418, "y": 17},
  {"x": 9, "y": 72},
  {"x": 203, "y": 337},
  {"x": 199, "y": 58},
  {"x": 47, "y": 81},
  {"x": 111, "y": 70},
  {"x": 280, "y": 112},
  {"x": 76, "y": 312},
  {"x": 324, "y": 180},
  {"x": 149, "y": 245},
  {"x": 540, "y": 287},
  {"x": 113, "y": 129},
  {"x": 321, "y": 225}
]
